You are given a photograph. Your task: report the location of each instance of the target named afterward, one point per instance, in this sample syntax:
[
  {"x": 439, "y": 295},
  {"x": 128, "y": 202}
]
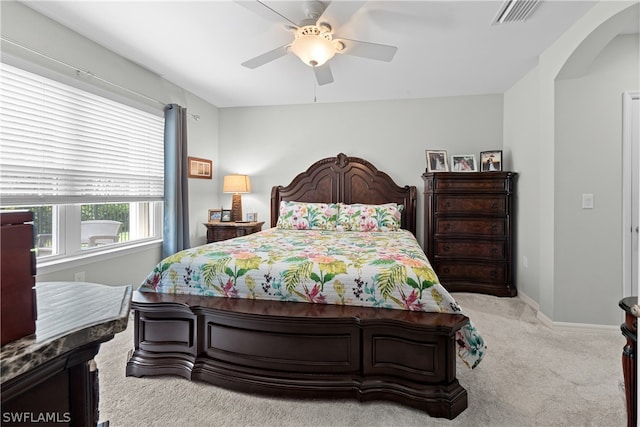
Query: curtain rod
[{"x": 89, "y": 74}]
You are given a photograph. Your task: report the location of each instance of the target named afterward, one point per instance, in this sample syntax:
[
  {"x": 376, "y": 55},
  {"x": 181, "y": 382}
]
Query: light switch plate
[{"x": 587, "y": 201}]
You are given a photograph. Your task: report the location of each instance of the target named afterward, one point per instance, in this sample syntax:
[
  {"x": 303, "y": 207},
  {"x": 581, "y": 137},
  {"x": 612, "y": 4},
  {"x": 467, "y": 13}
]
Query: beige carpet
[{"x": 531, "y": 376}]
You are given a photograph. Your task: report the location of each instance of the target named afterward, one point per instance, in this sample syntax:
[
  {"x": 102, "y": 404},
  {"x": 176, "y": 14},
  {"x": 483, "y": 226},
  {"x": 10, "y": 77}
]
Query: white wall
[
  {"x": 521, "y": 140},
  {"x": 129, "y": 268},
  {"x": 571, "y": 267},
  {"x": 588, "y": 152},
  {"x": 19, "y": 23},
  {"x": 202, "y": 135},
  {"x": 273, "y": 144}
]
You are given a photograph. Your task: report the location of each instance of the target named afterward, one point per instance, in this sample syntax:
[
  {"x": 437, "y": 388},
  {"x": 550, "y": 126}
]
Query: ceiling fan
[{"x": 314, "y": 40}]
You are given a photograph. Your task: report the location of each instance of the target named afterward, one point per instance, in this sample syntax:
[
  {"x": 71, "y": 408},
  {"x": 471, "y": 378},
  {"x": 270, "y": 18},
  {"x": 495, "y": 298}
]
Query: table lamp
[{"x": 236, "y": 184}]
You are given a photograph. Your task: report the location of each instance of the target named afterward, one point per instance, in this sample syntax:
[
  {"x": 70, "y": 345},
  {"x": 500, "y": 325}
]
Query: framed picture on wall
[
  {"x": 491, "y": 160},
  {"x": 464, "y": 163},
  {"x": 200, "y": 168},
  {"x": 437, "y": 161}
]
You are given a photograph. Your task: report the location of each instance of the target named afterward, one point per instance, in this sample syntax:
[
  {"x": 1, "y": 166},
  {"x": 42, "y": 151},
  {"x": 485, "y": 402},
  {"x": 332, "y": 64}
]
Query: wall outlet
[{"x": 79, "y": 276}]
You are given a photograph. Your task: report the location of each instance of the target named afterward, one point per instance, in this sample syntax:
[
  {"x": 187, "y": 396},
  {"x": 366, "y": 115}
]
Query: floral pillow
[
  {"x": 307, "y": 216},
  {"x": 360, "y": 217}
]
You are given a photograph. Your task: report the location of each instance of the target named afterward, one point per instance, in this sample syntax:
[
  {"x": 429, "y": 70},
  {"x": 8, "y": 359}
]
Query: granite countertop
[{"x": 70, "y": 315}]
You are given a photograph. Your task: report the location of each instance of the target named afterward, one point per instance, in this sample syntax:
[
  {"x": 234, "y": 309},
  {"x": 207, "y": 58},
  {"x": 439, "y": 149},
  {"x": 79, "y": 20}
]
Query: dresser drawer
[
  {"x": 218, "y": 231},
  {"x": 477, "y": 226},
  {"x": 470, "y": 204},
  {"x": 492, "y": 250},
  {"x": 487, "y": 273},
  {"x": 472, "y": 182},
  {"x": 224, "y": 234}
]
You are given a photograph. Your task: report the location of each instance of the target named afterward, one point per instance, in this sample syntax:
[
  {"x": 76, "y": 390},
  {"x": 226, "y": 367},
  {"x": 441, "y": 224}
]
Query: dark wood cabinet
[
  {"x": 17, "y": 268},
  {"x": 217, "y": 231},
  {"x": 629, "y": 357},
  {"x": 468, "y": 233},
  {"x": 50, "y": 377}
]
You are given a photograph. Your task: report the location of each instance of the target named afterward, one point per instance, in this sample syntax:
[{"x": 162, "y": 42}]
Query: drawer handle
[
  {"x": 33, "y": 263},
  {"x": 494, "y": 251},
  {"x": 447, "y": 227},
  {"x": 447, "y": 205},
  {"x": 493, "y": 274},
  {"x": 494, "y": 227},
  {"x": 494, "y": 206},
  {"x": 446, "y": 248},
  {"x": 446, "y": 270}
]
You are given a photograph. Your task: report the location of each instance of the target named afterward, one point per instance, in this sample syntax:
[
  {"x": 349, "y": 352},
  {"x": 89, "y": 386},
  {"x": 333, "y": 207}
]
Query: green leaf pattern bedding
[{"x": 375, "y": 269}]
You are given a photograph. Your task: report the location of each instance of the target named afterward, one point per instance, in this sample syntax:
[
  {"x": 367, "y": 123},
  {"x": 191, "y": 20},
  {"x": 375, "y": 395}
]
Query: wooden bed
[{"x": 299, "y": 350}]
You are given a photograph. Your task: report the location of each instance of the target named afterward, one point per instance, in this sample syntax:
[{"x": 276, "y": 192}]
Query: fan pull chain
[{"x": 315, "y": 89}]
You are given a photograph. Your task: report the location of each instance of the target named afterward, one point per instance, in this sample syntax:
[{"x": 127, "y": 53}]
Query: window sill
[{"x": 95, "y": 256}]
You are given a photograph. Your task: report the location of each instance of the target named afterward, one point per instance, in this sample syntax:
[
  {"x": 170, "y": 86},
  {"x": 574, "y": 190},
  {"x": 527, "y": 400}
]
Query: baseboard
[
  {"x": 545, "y": 320},
  {"x": 553, "y": 324},
  {"x": 530, "y": 302},
  {"x": 585, "y": 326}
]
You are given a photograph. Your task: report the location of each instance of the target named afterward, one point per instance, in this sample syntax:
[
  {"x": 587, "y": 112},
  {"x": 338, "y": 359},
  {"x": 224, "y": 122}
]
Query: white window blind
[{"x": 60, "y": 144}]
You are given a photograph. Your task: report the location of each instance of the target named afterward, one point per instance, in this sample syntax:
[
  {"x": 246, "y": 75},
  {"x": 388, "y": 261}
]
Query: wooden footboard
[{"x": 301, "y": 350}]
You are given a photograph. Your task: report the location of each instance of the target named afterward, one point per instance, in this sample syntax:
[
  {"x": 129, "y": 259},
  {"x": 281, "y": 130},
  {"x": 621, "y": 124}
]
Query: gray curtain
[{"x": 176, "y": 189}]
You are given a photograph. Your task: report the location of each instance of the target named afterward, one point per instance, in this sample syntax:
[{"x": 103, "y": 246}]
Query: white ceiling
[{"x": 445, "y": 48}]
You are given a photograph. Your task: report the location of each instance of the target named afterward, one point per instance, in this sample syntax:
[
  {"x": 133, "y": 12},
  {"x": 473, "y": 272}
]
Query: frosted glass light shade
[{"x": 313, "y": 46}]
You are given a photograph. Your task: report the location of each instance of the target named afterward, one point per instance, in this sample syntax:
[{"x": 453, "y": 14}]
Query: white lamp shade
[
  {"x": 313, "y": 49},
  {"x": 236, "y": 184}
]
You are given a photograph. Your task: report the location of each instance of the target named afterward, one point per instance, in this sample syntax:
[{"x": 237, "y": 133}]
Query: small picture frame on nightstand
[
  {"x": 252, "y": 217},
  {"x": 215, "y": 215},
  {"x": 226, "y": 215}
]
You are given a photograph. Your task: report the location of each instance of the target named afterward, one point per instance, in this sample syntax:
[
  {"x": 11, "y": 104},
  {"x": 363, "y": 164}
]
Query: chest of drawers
[
  {"x": 468, "y": 233},
  {"x": 17, "y": 276}
]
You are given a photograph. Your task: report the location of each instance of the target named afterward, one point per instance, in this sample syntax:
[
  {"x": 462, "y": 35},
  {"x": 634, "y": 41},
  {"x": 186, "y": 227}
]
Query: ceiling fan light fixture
[{"x": 313, "y": 45}]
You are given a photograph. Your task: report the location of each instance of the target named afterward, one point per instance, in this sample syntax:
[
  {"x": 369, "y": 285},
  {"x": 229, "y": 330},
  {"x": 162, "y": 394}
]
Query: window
[{"x": 91, "y": 169}]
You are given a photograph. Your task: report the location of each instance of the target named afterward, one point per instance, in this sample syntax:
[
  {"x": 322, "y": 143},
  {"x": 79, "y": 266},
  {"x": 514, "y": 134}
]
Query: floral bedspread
[{"x": 375, "y": 269}]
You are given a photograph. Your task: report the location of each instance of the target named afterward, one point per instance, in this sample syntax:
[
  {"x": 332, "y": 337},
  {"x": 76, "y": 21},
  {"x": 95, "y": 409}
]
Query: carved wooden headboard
[{"x": 347, "y": 180}]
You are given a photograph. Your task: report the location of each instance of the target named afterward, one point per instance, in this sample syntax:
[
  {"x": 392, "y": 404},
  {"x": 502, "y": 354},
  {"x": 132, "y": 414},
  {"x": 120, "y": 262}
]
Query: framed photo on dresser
[
  {"x": 491, "y": 160},
  {"x": 437, "y": 161},
  {"x": 464, "y": 163}
]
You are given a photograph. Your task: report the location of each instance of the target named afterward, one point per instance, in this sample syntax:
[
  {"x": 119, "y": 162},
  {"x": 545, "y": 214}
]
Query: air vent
[{"x": 515, "y": 11}]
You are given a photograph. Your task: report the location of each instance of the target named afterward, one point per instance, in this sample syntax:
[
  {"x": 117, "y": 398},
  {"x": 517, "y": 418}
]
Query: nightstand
[{"x": 217, "y": 231}]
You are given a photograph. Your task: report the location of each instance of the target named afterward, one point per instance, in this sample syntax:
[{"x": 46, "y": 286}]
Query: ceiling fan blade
[
  {"x": 323, "y": 74},
  {"x": 339, "y": 12},
  {"x": 261, "y": 9},
  {"x": 265, "y": 57},
  {"x": 379, "y": 52}
]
